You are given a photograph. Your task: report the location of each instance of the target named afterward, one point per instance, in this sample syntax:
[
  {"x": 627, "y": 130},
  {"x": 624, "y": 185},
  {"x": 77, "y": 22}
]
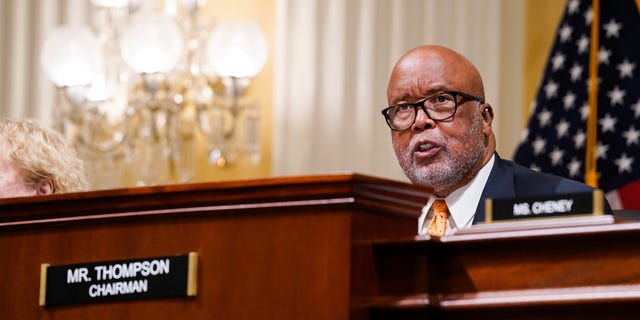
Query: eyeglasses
[{"x": 440, "y": 106}]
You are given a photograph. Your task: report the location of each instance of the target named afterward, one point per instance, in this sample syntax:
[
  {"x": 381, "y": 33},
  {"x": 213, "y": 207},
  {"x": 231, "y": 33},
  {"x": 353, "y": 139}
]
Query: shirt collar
[{"x": 463, "y": 202}]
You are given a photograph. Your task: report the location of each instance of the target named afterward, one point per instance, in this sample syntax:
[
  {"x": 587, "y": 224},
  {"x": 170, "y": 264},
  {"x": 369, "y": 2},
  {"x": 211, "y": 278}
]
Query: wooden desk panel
[
  {"x": 570, "y": 272},
  {"x": 268, "y": 249}
]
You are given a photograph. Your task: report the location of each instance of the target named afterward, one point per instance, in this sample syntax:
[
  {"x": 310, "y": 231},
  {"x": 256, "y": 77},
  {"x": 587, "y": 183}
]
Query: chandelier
[{"x": 147, "y": 81}]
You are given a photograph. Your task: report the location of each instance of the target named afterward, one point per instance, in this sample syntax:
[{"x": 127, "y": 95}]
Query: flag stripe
[{"x": 629, "y": 195}]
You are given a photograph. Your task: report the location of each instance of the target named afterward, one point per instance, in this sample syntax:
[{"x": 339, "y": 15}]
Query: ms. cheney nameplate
[
  {"x": 544, "y": 206},
  {"x": 132, "y": 279}
]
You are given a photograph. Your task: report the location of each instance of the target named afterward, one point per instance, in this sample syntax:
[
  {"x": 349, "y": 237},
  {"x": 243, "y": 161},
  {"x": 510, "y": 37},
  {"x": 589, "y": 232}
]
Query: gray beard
[{"x": 450, "y": 173}]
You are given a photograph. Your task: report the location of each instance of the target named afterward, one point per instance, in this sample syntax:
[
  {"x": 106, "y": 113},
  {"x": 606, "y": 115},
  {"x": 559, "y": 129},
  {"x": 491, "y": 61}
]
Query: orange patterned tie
[{"x": 438, "y": 223}]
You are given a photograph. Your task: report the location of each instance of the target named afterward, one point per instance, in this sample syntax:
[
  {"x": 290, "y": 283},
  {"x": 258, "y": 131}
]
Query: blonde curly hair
[{"x": 41, "y": 154}]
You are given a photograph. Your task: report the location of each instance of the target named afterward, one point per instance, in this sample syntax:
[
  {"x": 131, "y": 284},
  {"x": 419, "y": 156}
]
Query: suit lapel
[{"x": 499, "y": 185}]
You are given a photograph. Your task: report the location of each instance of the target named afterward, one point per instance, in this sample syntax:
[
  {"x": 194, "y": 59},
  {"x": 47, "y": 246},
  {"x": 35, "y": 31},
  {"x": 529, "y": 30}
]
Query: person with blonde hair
[{"x": 35, "y": 160}]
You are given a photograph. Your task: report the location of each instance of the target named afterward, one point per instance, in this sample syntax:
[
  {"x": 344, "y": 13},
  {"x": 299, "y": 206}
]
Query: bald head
[{"x": 435, "y": 67}]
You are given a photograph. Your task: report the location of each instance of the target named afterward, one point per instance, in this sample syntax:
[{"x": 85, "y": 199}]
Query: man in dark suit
[{"x": 442, "y": 136}]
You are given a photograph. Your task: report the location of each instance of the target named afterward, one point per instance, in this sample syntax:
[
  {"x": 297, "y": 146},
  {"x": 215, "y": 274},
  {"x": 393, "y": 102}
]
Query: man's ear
[
  {"x": 44, "y": 187},
  {"x": 487, "y": 113}
]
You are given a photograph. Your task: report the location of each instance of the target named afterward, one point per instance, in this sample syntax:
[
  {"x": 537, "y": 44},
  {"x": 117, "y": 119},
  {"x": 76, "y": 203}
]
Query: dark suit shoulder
[
  {"x": 529, "y": 182},
  {"x": 511, "y": 180}
]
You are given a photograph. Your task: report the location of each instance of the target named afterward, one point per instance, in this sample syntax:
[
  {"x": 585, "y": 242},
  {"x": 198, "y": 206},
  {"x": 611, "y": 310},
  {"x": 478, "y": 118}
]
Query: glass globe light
[
  {"x": 151, "y": 43},
  {"x": 237, "y": 49},
  {"x": 71, "y": 56}
]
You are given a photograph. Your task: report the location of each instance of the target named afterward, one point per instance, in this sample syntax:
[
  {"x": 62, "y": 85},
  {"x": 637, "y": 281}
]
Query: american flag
[{"x": 556, "y": 137}]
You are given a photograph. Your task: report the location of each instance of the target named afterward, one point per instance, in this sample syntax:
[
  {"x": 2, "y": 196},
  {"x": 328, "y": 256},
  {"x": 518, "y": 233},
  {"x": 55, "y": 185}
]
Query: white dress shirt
[{"x": 462, "y": 203}]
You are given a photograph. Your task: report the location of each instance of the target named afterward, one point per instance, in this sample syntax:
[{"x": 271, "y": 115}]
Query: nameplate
[
  {"x": 119, "y": 280},
  {"x": 576, "y": 204}
]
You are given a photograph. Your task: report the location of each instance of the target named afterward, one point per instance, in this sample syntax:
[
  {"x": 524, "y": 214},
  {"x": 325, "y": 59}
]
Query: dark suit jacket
[{"x": 511, "y": 180}]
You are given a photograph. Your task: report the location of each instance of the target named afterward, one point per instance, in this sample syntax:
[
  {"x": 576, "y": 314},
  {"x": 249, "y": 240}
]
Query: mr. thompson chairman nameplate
[{"x": 132, "y": 279}]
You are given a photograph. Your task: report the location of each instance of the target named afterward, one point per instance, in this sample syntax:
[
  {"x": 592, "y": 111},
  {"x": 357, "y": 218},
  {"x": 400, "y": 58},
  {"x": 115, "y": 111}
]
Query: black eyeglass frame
[{"x": 420, "y": 104}]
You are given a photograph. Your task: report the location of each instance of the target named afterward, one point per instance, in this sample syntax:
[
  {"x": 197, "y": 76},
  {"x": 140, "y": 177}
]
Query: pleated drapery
[{"x": 332, "y": 62}]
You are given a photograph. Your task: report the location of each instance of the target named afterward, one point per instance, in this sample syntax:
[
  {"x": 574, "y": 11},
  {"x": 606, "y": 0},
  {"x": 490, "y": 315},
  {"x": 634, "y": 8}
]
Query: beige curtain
[
  {"x": 332, "y": 61},
  {"x": 25, "y": 91},
  {"x": 334, "y": 58}
]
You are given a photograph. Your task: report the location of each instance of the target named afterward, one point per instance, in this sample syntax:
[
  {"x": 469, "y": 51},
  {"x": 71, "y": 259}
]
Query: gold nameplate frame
[{"x": 118, "y": 280}]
